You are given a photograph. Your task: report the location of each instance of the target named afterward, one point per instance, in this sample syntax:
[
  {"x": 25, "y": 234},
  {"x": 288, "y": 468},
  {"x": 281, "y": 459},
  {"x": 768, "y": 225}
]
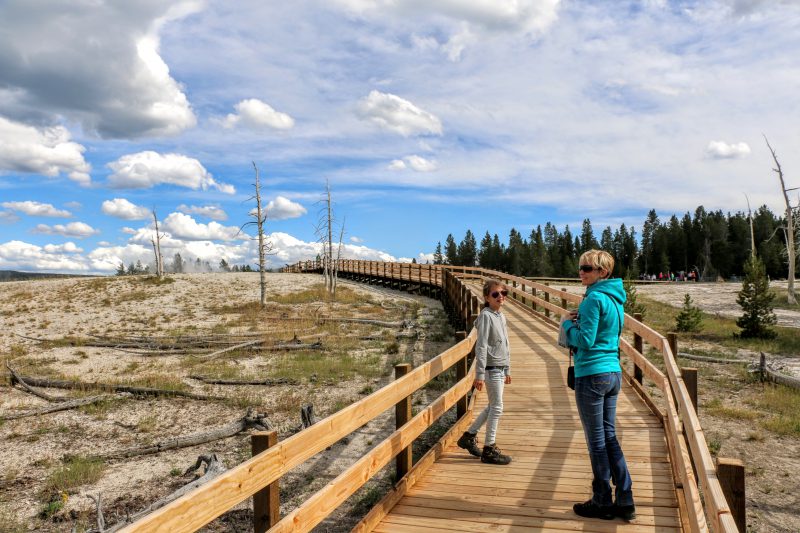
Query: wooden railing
[
  {"x": 684, "y": 434},
  {"x": 199, "y": 507}
]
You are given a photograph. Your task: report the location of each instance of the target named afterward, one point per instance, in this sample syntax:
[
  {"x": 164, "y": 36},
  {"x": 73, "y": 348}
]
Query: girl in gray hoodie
[{"x": 493, "y": 370}]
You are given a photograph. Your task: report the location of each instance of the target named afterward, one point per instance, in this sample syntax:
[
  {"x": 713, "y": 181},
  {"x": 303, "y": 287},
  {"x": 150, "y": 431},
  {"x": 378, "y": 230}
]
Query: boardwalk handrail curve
[
  {"x": 682, "y": 424},
  {"x": 202, "y": 505}
]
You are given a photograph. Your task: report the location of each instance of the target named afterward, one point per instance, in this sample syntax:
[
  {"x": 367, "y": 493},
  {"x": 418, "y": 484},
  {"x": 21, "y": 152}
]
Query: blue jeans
[
  {"x": 494, "y": 382},
  {"x": 596, "y": 397}
]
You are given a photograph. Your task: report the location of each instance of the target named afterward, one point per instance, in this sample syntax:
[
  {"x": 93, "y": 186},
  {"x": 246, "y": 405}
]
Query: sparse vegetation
[
  {"x": 690, "y": 319},
  {"x": 74, "y": 472}
]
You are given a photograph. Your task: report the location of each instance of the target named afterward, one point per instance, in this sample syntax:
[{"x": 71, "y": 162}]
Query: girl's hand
[
  {"x": 508, "y": 380},
  {"x": 478, "y": 384}
]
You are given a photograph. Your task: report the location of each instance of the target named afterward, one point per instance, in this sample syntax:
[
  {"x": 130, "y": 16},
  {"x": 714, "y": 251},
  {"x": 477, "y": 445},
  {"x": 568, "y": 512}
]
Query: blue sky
[{"x": 426, "y": 118}]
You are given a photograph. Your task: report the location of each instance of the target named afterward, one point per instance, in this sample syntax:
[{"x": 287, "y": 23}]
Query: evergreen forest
[{"x": 712, "y": 243}]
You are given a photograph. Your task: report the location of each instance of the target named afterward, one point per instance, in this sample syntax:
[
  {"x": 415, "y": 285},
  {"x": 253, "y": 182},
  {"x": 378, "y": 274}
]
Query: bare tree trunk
[
  {"x": 338, "y": 258},
  {"x": 752, "y": 234},
  {"x": 157, "y": 248},
  {"x": 262, "y": 268},
  {"x": 790, "y": 236},
  {"x": 330, "y": 238}
]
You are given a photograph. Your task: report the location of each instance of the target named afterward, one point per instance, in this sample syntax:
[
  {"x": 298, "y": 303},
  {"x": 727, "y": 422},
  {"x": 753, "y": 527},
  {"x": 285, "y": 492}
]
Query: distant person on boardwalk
[
  {"x": 492, "y": 370},
  {"x": 594, "y": 332}
]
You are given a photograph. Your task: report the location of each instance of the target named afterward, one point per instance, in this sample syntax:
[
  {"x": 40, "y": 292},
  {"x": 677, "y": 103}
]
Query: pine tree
[
  {"x": 690, "y": 318},
  {"x": 467, "y": 250},
  {"x": 755, "y": 298},
  {"x": 437, "y": 254},
  {"x": 450, "y": 250}
]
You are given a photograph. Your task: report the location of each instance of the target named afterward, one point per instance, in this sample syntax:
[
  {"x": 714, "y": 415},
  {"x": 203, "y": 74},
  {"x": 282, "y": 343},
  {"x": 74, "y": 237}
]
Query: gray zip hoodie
[{"x": 491, "y": 348}]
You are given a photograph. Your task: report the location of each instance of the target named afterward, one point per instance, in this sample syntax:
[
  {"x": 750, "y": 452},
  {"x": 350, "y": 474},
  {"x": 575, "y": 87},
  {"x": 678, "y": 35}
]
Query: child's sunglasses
[{"x": 496, "y": 294}]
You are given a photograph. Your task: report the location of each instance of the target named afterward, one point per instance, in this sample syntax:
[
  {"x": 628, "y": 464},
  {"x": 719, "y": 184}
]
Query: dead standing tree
[
  {"x": 157, "y": 247},
  {"x": 264, "y": 247},
  {"x": 324, "y": 231},
  {"x": 789, "y": 229}
]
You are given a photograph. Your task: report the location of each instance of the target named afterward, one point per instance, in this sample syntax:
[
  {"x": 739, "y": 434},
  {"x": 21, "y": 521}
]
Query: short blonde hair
[{"x": 599, "y": 259}]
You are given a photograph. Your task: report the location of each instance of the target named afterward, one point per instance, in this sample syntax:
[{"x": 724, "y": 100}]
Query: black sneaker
[
  {"x": 469, "y": 442},
  {"x": 589, "y": 509},
  {"x": 491, "y": 454},
  {"x": 626, "y": 512}
]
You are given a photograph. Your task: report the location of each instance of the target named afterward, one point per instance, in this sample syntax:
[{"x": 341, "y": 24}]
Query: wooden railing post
[
  {"x": 402, "y": 414},
  {"x": 672, "y": 339},
  {"x": 533, "y": 302},
  {"x": 266, "y": 502},
  {"x": 638, "y": 344},
  {"x": 461, "y": 373},
  {"x": 522, "y": 287},
  {"x": 564, "y": 298},
  {"x": 689, "y": 376},
  {"x": 547, "y": 299},
  {"x": 731, "y": 478}
]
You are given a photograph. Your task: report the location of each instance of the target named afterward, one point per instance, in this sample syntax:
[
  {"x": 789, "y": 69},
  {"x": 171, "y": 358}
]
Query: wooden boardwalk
[{"x": 541, "y": 430}]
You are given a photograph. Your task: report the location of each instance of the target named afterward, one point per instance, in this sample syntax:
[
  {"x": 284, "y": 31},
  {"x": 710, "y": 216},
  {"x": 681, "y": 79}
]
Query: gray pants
[{"x": 494, "y": 383}]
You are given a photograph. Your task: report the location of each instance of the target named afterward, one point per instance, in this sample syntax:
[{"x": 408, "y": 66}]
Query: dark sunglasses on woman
[
  {"x": 496, "y": 294},
  {"x": 586, "y": 268}
]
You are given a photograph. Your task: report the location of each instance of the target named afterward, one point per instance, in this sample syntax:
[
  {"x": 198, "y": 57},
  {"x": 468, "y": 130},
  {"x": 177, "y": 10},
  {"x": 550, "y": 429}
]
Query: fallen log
[
  {"x": 250, "y": 420},
  {"x": 382, "y": 323},
  {"x": 214, "y": 467},
  {"x": 61, "y": 406},
  {"x": 713, "y": 359},
  {"x": 266, "y": 381},
  {"x": 82, "y": 385},
  {"x": 15, "y": 378}
]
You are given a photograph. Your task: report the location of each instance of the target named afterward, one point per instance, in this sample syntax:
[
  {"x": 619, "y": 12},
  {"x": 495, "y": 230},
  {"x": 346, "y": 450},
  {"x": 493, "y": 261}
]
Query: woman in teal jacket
[{"x": 594, "y": 334}]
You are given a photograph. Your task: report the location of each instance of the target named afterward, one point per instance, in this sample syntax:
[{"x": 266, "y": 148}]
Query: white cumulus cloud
[
  {"x": 146, "y": 169},
  {"x": 398, "y": 115},
  {"x": 97, "y": 63},
  {"x": 67, "y": 247},
  {"x": 36, "y": 209},
  {"x": 182, "y": 226},
  {"x": 47, "y": 151},
  {"x": 214, "y": 212},
  {"x": 122, "y": 208},
  {"x": 530, "y": 16},
  {"x": 415, "y": 163},
  {"x": 20, "y": 255},
  {"x": 282, "y": 208},
  {"x": 79, "y": 230},
  {"x": 254, "y": 113},
  {"x": 723, "y": 150}
]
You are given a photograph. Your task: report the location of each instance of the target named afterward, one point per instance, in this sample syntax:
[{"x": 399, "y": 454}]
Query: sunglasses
[
  {"x": 496, "y": 294},
  {"x": 586, "y": 268}
]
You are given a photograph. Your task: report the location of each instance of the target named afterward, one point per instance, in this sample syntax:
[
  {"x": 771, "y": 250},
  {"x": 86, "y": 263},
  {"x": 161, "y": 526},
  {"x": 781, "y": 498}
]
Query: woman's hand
[
  {"x": 508, "y": 380},
  {"x": 573, "y": 315},
  {"x": 478, "y": 384}
]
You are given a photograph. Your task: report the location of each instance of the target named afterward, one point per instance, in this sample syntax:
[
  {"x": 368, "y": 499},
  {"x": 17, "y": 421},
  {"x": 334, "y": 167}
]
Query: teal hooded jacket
[{"x": 596, "y": 333}]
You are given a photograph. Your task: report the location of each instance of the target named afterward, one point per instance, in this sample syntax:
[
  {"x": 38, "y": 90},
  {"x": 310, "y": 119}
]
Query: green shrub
[
  {"x": 690, "y": 319},
  {"x": 755, "y": 299}
]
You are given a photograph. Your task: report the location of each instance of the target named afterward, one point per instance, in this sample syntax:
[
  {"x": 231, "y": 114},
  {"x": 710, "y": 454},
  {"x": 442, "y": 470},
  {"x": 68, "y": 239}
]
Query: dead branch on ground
[
  {"x": 82, "y": 385},
  {"x": 266, "y": 381},
  {"x": 253, "y": 420}
]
